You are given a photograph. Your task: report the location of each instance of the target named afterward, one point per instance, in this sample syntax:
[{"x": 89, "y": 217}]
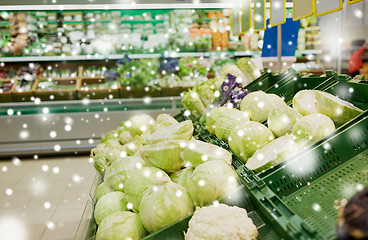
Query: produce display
[
  {"x": 156, "y": 169},
  {"x": 70, "y": 33},
  {"x": 6, "y": 86},
  {"x": 54, "y": 85}
]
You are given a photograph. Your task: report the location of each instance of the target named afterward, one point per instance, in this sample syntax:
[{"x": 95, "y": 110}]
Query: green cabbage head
[
  {"x": 181, "y": 177},
  {"x": 109, "y": 203},
  {"x": 227, "y": 120},
  {"x": 282, "y": 119},
  {"x": 313, "y": 127},
  {"x": 197, "y": 152},
  {"x": 164, "y": 155},
  {"x": 210, "y": 181},
  {"x": 101, "y": 164},
  {"x": 305, "y": 102},
  {"x": 338, "y": 110},
  {"x": 116, "y": 174},
  {"x": 121, "y": 225},
  {"x": 163, "y": 204},
  {"x": 102, "y": 189},
  {"x": 212, "y": 118},
  {"x": 139, "y": 124},
  {"x": 259, "y": 104},
  {"x": 247, "y": 138},
  {"x": 138, "y": 181}
]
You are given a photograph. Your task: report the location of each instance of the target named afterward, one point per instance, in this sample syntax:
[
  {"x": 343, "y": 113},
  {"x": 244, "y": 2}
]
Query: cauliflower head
[{"x": 221, "y": 221}]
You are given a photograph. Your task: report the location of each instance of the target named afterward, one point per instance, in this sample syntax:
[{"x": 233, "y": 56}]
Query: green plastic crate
[{"x": 302, "y": 192}]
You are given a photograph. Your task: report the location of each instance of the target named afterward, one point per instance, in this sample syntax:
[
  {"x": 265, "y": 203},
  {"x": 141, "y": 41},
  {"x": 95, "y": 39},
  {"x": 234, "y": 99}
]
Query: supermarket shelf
[
  {"x": 310, "y": 51},
  {"x": 119, "y": 56}
]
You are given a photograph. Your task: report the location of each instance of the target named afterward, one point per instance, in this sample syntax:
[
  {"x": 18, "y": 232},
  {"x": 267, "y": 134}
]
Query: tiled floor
[{"x": 43, "y": 198}]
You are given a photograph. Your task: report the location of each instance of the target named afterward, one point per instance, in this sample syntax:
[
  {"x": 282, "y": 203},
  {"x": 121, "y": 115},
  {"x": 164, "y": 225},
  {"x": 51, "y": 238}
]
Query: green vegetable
[
  {"x": 125, "y": 137},
  {"x": 164, "y": 155},
  {"x": 103, "y": 189},
  {"x": 235, "y": 71},
  {"x": 109, "y": 203},
  {"x": 121, "y": 225},
  {"x": 304, "y": 102},
  {"x": 132, "y": 147},
  {"x": 110, "y": 135},
  {"x": 338, "y": 110},
  {"x": 273, "y": 153},
  {"x": 212, "y": 118},
  {"x": 282, "y": 119},
  {"x": 100, "y": 163},
  {"x": 164, "y": 120},
  {"x": 226, "y": 121},
  {"x": 192, "y": 102},
  {"x": 111, "y": 150},
  {"x": 180, "y": 131},
  {"x": 138, "y": 181},
  {"x": 247, "y": 138},
  {"x": 259, "y": 104},
  {"x": 117, "y": 173},
  {"x": 197, "y": 152},
  {"x": 139, "y": 124},
  {"x": 247, "y": 66},
  {"x": 163, "y": 204},
  {"x": 210, "y": 181},
  {"x": 181, "y": 177},
  {"x": 314, "y": 127}
]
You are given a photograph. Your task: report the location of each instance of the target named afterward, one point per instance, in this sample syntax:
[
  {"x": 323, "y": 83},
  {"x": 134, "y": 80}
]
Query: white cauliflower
[{"x": 218, "y": 222}]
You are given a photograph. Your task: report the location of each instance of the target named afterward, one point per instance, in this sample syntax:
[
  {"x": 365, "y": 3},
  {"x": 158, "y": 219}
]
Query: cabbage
[
  {"x": 197, "y": 152},
  {"x": 193, "y": 103},
  {"x": 247, "y": 66},
  {"x": 273, "y": 153},
  {"x": 110, "y": 135},
  {"x": 259, "y": 104},
  {"x": 102, "y": 189},
  {"x": 314, "y": 127},
  {"x": 138, "y": 181},
  {"x": 117, "y": 173},
  {"x": 164, "y": 120},
  {"x": 212, "y": 117},
  {"x": 206, "y": 93},
  {"x": 282, "y": 119},
  {"x": 139, "y": 124},
  {"x": 163, "y": 204},
  {"x": 132, "y": 147},
  {"x": 247, "y": 138},
  {"x": 338, "y": 110},
  {"x": 235, "y": 71},
  {"x": 121, "y": 225},
  {"x": 164, "y": 155},
  {"x": 100, "y": 163},
  {"x": 125, "y": 137},
  {"x": 181, "y": 131},
  {"x": 181, "y": 177},
  {"x": 111, "y": 150},
  {"x": 210, "y": 181},
  {"x": 304, "y": 102},
  {"x": 227, "y": 120},
  {"x": 109, "y": 203}
]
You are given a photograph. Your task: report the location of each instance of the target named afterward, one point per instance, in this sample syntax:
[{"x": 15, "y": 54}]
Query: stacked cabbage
[{"x": 157, "y": 177}]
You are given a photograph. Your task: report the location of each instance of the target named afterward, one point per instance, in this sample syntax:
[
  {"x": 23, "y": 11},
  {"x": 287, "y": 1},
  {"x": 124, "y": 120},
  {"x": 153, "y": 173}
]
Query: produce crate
[
  {"x": 131, "y": 92},
  {"x": 268, "y": 80},
  {"x": 98, "y": 179},
  {"x": 67, "y": 91},
  {"x": 6, "y": 96},
  {"x": 87, "y": 227},
  {"x": 93, "y": 88},
  {"x": 22, "y": 96}
]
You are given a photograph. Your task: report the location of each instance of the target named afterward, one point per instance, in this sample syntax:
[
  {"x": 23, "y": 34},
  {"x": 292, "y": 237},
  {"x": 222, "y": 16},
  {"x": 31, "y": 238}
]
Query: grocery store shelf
[
  {"x": 119, "y": 56},
  {"x": 310, "y": 51}
]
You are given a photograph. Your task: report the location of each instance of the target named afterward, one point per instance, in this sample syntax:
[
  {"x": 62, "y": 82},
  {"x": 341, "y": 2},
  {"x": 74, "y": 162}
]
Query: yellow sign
[
  {"x": 259, "y": 16},
  {"x": 354, "y": 1},
  {"x": 303, "y": 8},
  {"x": 277, "y": 12},
  {"x": 323, "y": 7}
]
